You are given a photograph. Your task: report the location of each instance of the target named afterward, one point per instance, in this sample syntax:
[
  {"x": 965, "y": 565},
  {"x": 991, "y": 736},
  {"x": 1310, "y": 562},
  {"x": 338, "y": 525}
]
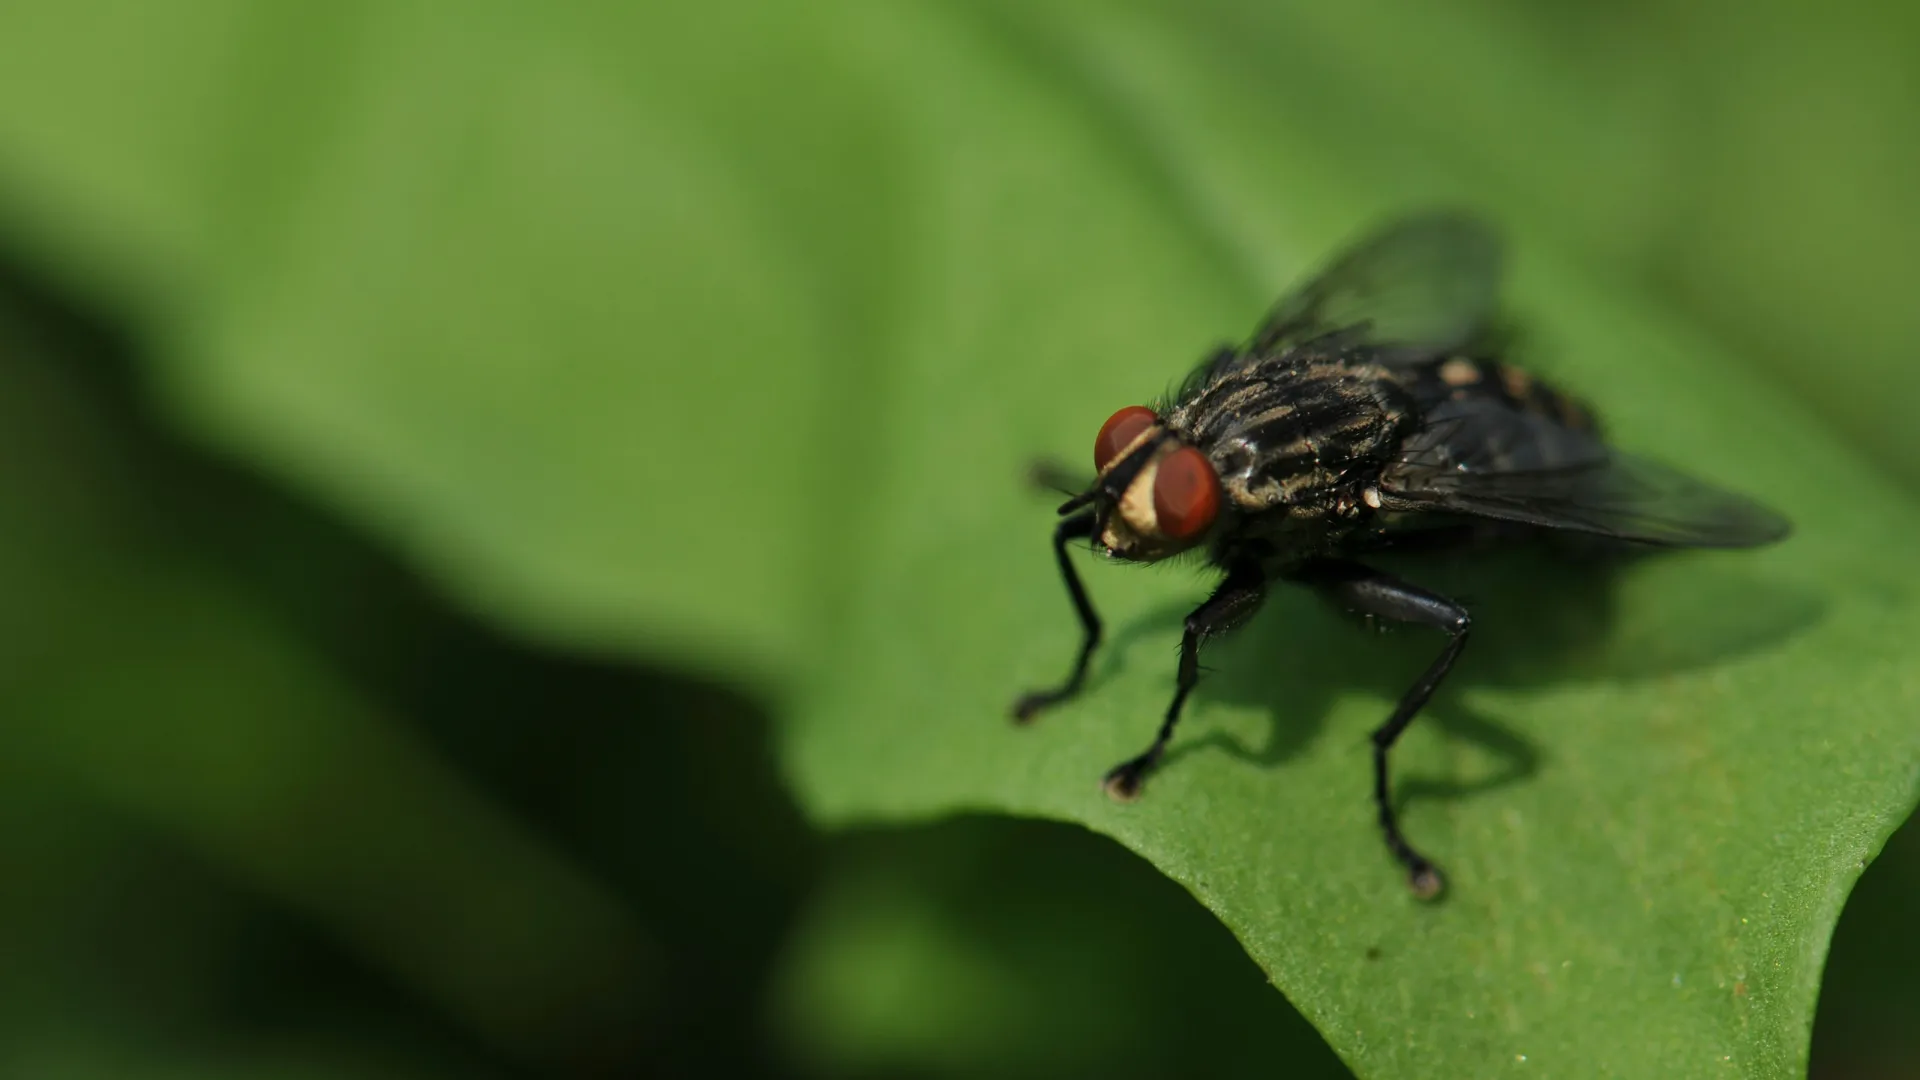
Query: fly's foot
[
  {"x": 1123, "y": 781},
  {"x": 1425, "y": 880},
  {"x": 1031, "y": 705}
]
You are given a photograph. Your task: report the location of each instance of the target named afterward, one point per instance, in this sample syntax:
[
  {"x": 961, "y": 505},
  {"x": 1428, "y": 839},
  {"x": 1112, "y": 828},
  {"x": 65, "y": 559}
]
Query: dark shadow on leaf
[{"x": 1025, "y": 948}]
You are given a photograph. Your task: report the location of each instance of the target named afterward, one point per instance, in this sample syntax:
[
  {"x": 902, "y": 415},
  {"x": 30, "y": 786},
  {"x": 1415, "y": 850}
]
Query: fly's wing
[
  {"x": 1483, "y": 460},
  {"x": 1419, "y": 288},
  {"x": 1416, "y": 290}
]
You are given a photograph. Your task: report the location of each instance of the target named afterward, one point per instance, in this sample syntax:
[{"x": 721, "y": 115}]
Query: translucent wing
[
  {"x": 1420, "y": 287},
  {"x": 1413, "y": 291},
  {"x": 1486, "y": 461}
]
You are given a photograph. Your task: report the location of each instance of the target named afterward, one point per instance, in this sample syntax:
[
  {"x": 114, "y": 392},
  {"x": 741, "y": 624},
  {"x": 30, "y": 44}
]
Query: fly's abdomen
[
  {"x": 1463, "y": 379},
  {"x": 1487, "y": 416}
]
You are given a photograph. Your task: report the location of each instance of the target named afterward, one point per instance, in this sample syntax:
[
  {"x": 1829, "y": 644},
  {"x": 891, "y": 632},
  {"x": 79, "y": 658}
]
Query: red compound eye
[
  {"x": 1186, "y": 494},
  {"x": 1119, "y": 432}
]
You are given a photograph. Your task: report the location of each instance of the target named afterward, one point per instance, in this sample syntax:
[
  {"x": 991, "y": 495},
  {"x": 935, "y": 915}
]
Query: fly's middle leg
[{"x": 1237, "y": 598}]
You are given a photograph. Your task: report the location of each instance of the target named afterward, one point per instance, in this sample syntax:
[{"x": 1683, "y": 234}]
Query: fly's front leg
[
  {"x": 1383, "y": 596},
  {"x": 1238, "y": 597},
  {"x": 1073, "y": 528}
]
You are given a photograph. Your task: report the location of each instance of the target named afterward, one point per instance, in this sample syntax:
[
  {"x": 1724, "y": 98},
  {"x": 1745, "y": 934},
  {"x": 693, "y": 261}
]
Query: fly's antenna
[{"x": 1051, "y": 476}]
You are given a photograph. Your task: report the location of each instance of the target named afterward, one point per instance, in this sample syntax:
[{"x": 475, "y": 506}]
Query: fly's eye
[
  {"x": 1186, "y": 494},
  {"x": 1119, "y": 432}
]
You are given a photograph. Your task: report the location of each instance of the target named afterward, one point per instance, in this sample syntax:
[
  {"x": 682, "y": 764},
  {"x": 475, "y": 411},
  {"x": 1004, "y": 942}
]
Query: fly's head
[{"x": 1156, "y": 496}]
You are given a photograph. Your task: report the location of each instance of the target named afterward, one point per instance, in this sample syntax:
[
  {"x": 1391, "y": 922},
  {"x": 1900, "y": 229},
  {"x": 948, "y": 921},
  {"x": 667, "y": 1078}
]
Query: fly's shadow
[{"x": 1544, "y": 615}]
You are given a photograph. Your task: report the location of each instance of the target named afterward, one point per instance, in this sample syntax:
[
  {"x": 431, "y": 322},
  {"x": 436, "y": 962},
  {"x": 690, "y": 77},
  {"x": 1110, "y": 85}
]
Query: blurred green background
[{"x": 353, "y": 723}]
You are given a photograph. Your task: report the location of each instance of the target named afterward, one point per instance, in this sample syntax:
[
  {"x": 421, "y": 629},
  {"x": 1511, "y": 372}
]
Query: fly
[{"x": 1372, "y": 411}]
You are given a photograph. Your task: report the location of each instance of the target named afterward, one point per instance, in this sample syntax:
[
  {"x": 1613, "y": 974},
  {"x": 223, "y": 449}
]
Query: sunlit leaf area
[{"x": 519, "y": 544}]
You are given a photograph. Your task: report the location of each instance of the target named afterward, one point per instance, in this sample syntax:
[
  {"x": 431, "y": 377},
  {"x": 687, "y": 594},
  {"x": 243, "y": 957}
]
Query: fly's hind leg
[
  {"x": 1237, "y": 598},
  {"x": 1371, "y": 592}
]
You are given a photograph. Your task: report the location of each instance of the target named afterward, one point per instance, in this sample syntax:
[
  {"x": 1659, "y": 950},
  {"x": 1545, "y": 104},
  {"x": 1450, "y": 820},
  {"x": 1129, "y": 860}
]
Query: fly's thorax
[{"x": 1299, "y": 437}]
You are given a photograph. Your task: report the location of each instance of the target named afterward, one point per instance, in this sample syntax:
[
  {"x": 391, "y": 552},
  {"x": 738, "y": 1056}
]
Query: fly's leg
[
  {"x": 1074, "y": 528},
  {"x": 1386, "y": 597},
  {"x": 1238, "y": 597}
]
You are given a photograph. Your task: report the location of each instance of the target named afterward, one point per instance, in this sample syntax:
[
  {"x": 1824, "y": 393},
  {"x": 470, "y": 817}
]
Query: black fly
[{"x": 1372, "y": 411}]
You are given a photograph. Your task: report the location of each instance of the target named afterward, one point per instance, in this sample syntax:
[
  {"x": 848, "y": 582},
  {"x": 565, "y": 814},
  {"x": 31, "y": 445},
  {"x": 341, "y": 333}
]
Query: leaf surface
[{"x": 729, "y": 338}]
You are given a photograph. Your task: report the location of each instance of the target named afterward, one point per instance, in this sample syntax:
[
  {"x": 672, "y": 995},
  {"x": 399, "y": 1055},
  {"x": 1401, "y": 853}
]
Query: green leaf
[
  {"x": 1649, "y": 834},
  {"x": 545, "y": 296},
  {"x": 731, "y": 337}
]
